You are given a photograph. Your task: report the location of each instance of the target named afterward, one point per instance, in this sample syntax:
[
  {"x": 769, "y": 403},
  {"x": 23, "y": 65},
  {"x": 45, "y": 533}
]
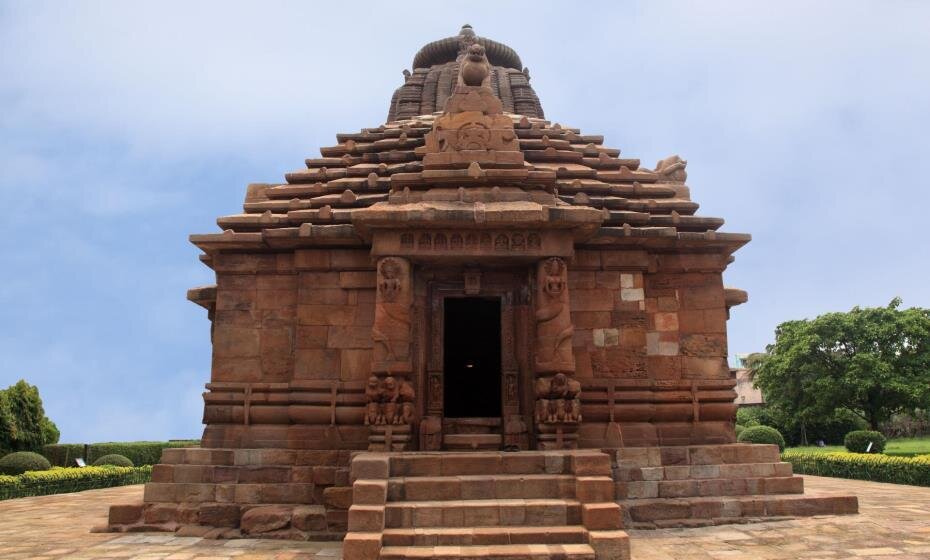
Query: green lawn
[{"x": 901, "y": 447}]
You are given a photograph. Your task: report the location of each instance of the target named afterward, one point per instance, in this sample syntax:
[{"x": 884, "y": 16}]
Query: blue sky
[{"x": 126, "y": 126}]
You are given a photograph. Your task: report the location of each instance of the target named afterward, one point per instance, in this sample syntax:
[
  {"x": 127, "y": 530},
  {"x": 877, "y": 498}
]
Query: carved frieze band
[{"x": 484, "y": 241}]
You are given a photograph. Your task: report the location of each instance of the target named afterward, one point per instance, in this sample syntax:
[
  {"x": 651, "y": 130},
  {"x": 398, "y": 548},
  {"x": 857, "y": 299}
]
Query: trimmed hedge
[
  {"x": 859, "y": 440},
  {"x": 139, "y": 452},
  {"x": 762, "y": 434},
  {"x": 60, "y": 481},
  {"x": 113, "y": 460},
  {"x": 739, "y": 429},
  {"x": 63, "y": 454},
  {"x": 22, "y": 461},
  {"x": 862, "y": 466}
]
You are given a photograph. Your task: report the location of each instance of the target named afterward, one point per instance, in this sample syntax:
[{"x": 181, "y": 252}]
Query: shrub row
[
  {"x": 61, "y": 481},
  {"x": 831, "y": 430},
  {"x": 761, "y": 434},
  {"x": 862, "y": 466},
  {"x": 22, "y": 461},
  {"x": 860, "y": 440},
  {"x": 139, "y": 452}
]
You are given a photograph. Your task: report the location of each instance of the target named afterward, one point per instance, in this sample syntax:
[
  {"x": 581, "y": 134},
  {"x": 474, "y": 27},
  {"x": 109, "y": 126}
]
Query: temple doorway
[{"x": 472, "y": 357}]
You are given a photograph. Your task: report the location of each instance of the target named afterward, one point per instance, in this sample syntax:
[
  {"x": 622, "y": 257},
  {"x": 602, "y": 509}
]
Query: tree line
[{"x": 873, "y": 362}]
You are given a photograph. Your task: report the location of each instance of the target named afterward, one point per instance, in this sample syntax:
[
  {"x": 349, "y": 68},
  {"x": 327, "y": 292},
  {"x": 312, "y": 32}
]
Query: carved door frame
[{"x": 514, "y": 371}]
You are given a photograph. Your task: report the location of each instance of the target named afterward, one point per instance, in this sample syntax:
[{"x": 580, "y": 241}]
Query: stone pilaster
[
  {"x": 558, "y": 406},
  {"x": 389, "y": 393}
]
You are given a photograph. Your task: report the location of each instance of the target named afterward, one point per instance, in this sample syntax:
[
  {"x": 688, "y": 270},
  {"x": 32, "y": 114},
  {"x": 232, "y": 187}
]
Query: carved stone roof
[
  {"x": 436, "y": 68},
  {"x": 315, "y": 205},
  {"x": 448, "y": 49},
  {"x": 476, "y": 164}
]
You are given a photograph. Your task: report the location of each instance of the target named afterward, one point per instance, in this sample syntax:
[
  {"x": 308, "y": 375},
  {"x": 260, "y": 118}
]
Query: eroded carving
[
  {"x": 558, "y": 400},
  {"x": 500, "y": 241},
  {"x": 553, "y": 319},
  {"x": 391, "y": 329},
  {"x": 475, "y": 70},
  {"x": 672, "y": 170},
  {"x": 390, "y": 401}
]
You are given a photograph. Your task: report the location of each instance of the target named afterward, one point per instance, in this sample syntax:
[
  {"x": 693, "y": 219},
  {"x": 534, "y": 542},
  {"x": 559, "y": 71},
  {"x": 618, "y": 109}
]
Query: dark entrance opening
[{"x": 472, "y": 358}]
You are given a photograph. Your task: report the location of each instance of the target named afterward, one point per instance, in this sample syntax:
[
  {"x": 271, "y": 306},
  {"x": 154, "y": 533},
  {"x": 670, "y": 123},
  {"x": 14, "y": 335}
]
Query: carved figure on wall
[
  {"x": 558, "y": 400},
  {"x": 475, "y": 70},
  {"x": 389, "y": 396},
  {"x": 474, "y": 135},
  {"x": 389, "y": 282},
  {"x": 373, "y": 414},
  {"x": 435, "y": 391},
  {"x": 672, "y": 170},
  {"x": 406, "y": 397},
  {"x": 390, "y": 401},
  {"x": 553, "y": 319},
  {"x": 391, "y": 330}
]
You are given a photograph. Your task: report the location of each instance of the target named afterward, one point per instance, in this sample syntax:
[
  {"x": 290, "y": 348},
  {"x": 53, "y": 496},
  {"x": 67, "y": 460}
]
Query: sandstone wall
[
  {"x": 291, "y": 350},
  {"x": 650, "y": 348}
]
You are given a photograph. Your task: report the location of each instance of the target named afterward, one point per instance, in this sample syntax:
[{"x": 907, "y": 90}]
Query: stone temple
[{"x": 469, "y": 332}]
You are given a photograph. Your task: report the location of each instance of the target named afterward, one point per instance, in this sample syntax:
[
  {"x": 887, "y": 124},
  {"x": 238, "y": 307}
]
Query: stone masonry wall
[{"x": 650, "y": 348}]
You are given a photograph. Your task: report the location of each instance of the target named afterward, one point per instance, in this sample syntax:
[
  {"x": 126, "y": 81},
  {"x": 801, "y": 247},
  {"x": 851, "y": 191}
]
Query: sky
[{"x": 126, "y": 126}]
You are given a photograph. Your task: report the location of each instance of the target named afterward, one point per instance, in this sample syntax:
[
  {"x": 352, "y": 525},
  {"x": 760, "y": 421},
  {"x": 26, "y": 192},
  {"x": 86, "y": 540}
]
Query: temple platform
[{"x": 574, "y": 503}]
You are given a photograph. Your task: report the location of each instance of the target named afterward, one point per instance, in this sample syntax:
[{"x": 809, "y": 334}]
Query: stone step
[
  {"x": 482, "y": 513},
  {"x": 586, "y": 463},
  {"x": 463, "y": 442},
  {"x": 693, "y": 472},
  {"x": 686, "y": 512},
  {"x": 469, "y": 536},
  {"x": 709, "y": 487},
  {"x": 492, "y": 552},
  {"x": 733, "y": 453},
  {"x": 481, "y": 487}
]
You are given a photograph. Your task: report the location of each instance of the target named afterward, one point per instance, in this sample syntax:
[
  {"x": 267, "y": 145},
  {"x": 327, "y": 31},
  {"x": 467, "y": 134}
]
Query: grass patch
[{"x": 904, "y": 447}]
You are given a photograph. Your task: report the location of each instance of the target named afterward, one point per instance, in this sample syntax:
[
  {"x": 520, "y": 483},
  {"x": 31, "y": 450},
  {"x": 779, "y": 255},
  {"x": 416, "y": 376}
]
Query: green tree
[
  {"x": 874, "y": 361},
  {"x": 23, "y": 424}
]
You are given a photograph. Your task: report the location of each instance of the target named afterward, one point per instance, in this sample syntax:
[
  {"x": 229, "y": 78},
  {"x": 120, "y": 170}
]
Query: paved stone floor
[{"x": 895, "y": 522}]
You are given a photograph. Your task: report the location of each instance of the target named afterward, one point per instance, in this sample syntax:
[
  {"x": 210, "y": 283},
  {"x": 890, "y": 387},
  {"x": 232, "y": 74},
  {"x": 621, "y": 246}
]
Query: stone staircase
[
  {"x": 471, "y": 434},
  {"x": 489, "y": 505},
  {"x": 693, "y": 486}
]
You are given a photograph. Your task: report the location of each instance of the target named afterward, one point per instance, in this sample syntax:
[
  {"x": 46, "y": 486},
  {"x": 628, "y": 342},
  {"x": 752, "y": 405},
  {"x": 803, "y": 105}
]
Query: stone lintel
[{"x": 471, "y": 245}]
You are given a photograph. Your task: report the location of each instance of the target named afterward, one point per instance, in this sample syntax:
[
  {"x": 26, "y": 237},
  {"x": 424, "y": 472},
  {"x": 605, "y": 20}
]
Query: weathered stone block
[
  {"x": 369, "y": 492},
  {"x": 589, "y": 489},
  {"x": 642, "y": 489},
  {"x": 219, "y": 515},
  {"x": 362, "y": 546},
  {"x": 370, "y": 466},
  {"x": 366, "y": 518},
  {"x": 265, "y": 519},
  {"x": 235, "y": 342},
  {"x": 125, "y": 514},
  {"x": 590, "y": 464},
  {"x": 311, "y": 363},
  {"x": 309, "y": 518},
  {"x": 357, "y": 279},
  {"x": 610, "y": 545},
  {"x": 603, "y": 516},
  {"x": 339, "y": 497}
]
